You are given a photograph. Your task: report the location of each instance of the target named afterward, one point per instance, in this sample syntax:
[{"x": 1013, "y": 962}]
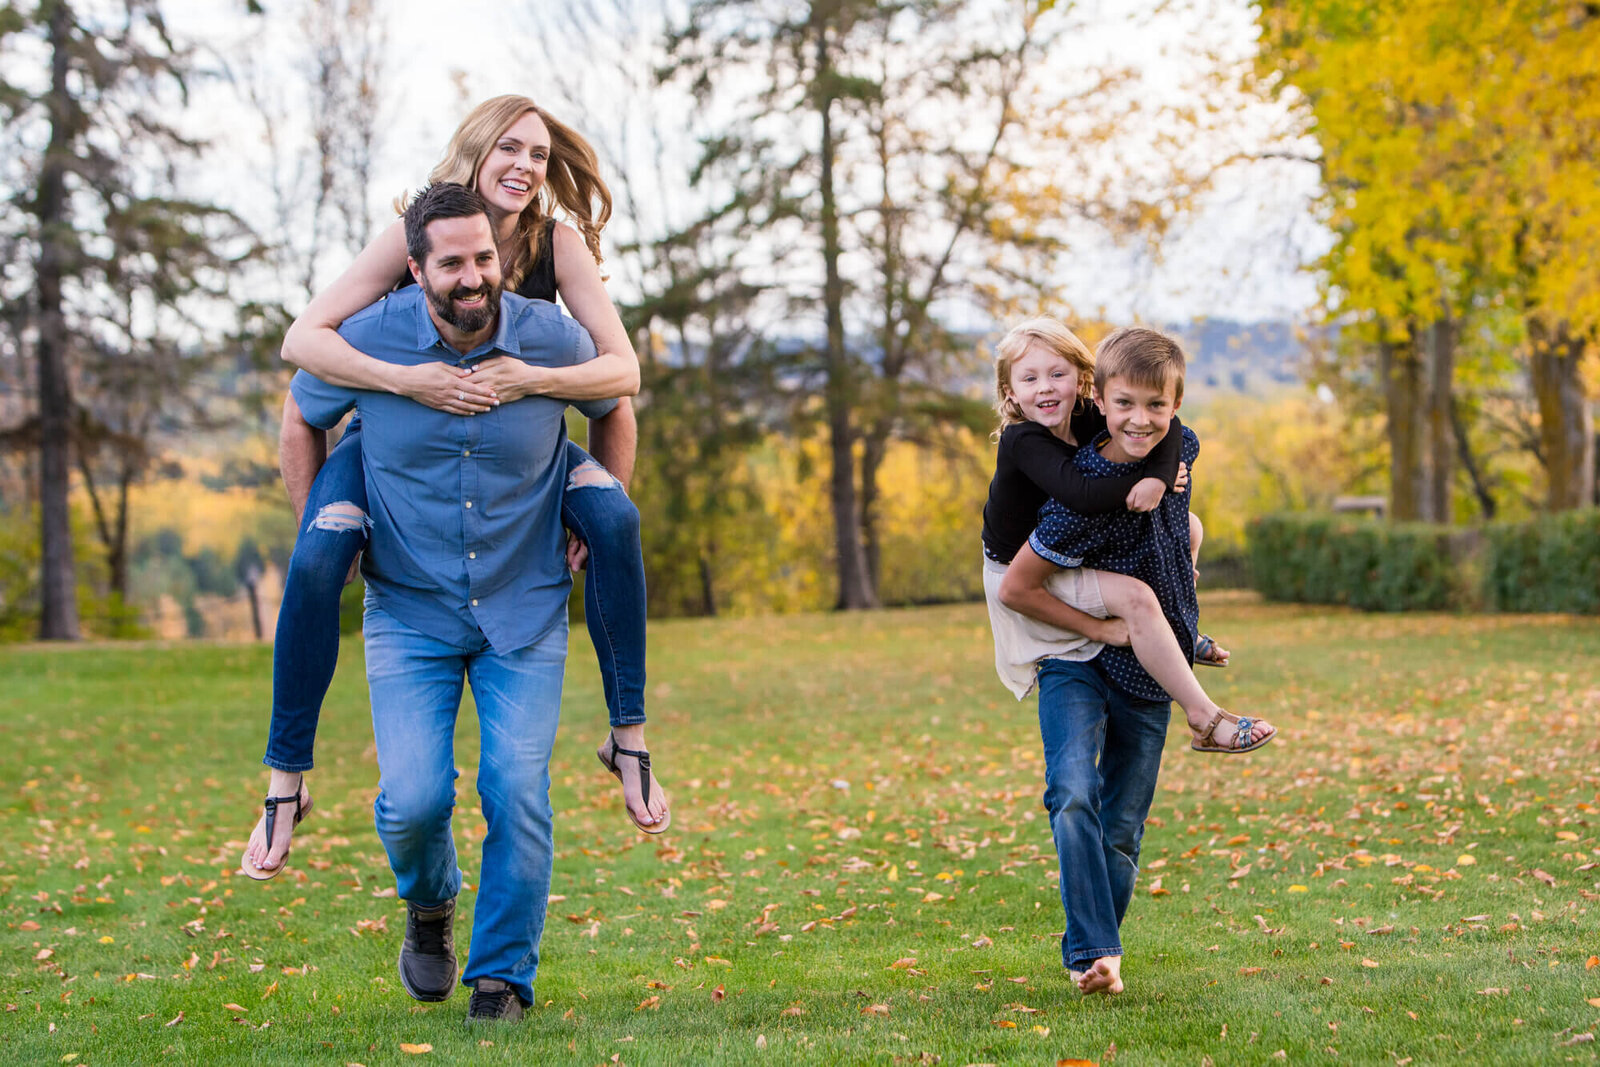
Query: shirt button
[
  {"x": 472, "y": 555},
  {"x": 469, "y": 503},
  {"x": 474, "y": 601},
  {"x": 466, "y": 451}
]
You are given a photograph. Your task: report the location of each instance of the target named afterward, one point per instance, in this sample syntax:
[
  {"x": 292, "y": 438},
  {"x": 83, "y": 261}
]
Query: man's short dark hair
[{"x": 441, "y": 200}]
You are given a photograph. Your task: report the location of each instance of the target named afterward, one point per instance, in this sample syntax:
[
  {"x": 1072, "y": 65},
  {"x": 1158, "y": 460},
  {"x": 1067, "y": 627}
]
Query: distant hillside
[{"x": 1243, "y": 357}]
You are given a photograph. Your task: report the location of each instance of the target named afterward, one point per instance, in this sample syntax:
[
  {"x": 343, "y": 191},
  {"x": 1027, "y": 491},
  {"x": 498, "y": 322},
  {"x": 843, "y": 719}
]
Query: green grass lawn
[{"x": 859, "y": 870}]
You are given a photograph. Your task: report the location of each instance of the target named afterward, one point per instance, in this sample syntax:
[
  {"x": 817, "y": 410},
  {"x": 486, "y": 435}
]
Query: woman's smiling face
[{"x": 515, "y": 167}]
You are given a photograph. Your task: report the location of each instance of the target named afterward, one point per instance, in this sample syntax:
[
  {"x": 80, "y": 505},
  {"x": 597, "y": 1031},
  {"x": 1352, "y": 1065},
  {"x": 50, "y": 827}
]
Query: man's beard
[{"x": 467, "y": 320}]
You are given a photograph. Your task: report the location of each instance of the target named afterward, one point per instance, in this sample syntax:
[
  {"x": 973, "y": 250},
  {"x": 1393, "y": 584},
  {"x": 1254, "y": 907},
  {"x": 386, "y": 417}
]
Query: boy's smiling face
[{"x": 1137, "y": 417}]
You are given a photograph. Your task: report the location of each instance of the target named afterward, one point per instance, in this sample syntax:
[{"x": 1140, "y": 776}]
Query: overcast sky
[{"x": 1238, "y": 258}]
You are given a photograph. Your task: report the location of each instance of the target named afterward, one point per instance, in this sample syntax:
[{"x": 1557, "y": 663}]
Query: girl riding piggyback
[{"x": 1044, "y": 378}]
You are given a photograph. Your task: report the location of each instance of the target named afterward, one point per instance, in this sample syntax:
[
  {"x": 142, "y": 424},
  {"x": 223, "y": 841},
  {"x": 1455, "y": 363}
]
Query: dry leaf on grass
[{"x": 415, "y": 1050}]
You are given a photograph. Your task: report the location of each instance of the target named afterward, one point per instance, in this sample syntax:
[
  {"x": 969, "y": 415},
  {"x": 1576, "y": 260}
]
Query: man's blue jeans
[
  {"x": 334, "y": 531},
  {"x": 1102, "y": 752},
  {"x": 415, "y": 682}
]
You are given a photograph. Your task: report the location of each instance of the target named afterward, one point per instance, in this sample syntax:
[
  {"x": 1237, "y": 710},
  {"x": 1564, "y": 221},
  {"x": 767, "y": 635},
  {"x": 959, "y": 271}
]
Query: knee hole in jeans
[
  {"x": 340, "y": 517},
  {"x": 591, "y": 475}
]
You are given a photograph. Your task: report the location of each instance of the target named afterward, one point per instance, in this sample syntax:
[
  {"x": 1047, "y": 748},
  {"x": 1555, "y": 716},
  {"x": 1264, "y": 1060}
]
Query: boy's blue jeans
[
  {"x": 306, "y": 648},
  {"x": 416, "y": 694},
  {"x": 1102, "y": 752}
]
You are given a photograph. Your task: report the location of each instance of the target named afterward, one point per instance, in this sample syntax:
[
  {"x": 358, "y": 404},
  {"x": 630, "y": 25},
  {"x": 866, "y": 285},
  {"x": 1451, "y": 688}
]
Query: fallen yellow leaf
[
  {"x": 1298, "y": 889},
  {"x": 1591, "y": 963},
  {"x": 415, "y": 1050},
  {"x": 235, "y": 1007},
  {"x": 1369, "y": 963},
  {"x": 1465, "y": 860},
  {"x": 1005, "y": 1024}
]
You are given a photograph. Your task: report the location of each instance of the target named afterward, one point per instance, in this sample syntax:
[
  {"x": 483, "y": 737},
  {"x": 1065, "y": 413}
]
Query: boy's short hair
[
  {"x": 441, "y": 200},
  {"x": 1144, "y": 357}
]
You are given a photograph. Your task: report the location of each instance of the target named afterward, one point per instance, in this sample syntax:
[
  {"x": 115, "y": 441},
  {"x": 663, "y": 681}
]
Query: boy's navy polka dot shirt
[{"x": 1152, "y": 546}]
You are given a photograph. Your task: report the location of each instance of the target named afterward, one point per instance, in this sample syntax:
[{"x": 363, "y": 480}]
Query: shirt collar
[
  {"x": 1097, "y": 460},
  {"x": 504, "y": 339}
]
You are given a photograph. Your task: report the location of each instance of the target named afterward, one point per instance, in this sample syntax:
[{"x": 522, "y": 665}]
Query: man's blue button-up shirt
[
  {"x": 1152, "y": 546},
  {"x": 466, "y": 510}
]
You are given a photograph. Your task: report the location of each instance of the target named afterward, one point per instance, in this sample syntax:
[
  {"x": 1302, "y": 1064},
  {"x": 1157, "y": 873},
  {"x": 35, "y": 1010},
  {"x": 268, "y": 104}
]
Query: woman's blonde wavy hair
[
  {"x": 572, "y": 179},
  {"x": 1054, "y": 336}
]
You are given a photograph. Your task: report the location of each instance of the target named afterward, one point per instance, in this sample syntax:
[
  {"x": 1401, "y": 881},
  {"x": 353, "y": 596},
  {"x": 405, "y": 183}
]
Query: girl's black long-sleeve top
[{"x": 1034, "y": 464}]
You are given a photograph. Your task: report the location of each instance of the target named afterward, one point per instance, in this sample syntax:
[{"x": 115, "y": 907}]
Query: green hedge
[
  {"x": 1549, "y": 564},
  {"x": 1366, "y": 563}
]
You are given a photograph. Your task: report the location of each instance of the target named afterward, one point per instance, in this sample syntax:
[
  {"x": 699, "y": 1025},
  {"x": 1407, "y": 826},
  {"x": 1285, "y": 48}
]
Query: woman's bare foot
[
  {"x": 263, "y": 858},
  {"x": 654, "y": 815},
  {"x": 1103, "y": 976},
  {"x": 1222, "y": 731}
]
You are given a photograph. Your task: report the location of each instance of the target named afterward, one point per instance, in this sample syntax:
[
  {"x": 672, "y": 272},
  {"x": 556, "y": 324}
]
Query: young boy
[{"x": 1104, "y": 722}]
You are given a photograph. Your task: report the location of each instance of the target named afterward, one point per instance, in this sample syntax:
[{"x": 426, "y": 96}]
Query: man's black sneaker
[
  {"x": 493, "y": 1001},
  {"x": 428, "y": 954}
]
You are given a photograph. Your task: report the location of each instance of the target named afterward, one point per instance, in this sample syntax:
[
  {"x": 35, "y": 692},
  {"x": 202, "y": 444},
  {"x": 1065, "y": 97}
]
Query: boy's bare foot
[
  {"x": 1227, "y": 733},
  {"x": 263, "y": 859},
  {"x": 1103, "y": 976},
  {"x": 652, "y": 815}
]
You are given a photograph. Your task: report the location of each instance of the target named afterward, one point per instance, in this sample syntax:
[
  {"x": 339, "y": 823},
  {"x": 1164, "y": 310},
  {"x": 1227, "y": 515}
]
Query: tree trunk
[
  {"x": 855, "y": 589},
  {"x": 1469, "y": 462},
  {"x": 252, "y": 592},
  {"x": 708, "y": 588},
  {"x": 1402, "y": 391},
  {"x": 1440, "y": 347},
  {"x": 875, "y": 447},
  {"x": 1565, "y": 416},
  {"x": 58, "y": 604}
]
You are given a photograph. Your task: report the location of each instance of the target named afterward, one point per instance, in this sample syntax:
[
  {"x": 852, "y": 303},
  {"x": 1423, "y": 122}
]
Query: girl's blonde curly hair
[{"x": 1055, "y": 337}]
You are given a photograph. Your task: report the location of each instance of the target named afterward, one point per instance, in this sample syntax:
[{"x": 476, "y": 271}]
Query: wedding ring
[{"x": 461, "y": 396}]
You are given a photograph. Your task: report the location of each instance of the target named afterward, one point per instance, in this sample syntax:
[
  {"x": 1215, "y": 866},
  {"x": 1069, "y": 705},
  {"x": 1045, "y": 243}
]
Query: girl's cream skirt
[{"x": 1020, "y": 642}]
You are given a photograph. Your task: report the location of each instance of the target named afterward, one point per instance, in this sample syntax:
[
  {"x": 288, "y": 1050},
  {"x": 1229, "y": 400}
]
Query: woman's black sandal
[
  {"x": 643, "y": 756},
  {"x": 269, "y": 807}
]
